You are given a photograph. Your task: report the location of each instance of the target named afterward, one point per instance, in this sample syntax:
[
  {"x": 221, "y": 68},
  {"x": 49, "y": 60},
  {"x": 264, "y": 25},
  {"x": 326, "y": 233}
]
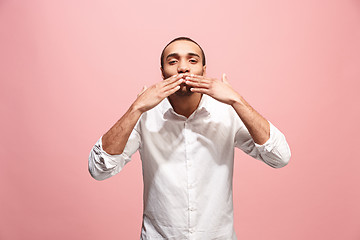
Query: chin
[
  {"x": 183, "y": 94},
  {"x": 184, "y": 91}
]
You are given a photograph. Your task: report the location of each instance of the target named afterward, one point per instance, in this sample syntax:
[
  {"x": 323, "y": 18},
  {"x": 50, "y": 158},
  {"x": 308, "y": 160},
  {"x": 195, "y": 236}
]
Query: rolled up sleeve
[
  {"x": 275, "y": 152},
  {"x": 103, "y": 165}
]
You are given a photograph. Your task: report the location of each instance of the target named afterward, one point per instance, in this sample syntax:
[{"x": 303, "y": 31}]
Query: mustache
[{"x": 165, "y": 75}]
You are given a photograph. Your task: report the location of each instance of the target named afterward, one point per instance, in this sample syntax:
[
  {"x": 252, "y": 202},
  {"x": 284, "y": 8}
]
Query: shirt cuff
[
  {"x": 269, "y": 144},
  {"x": 112, "y": 160}
]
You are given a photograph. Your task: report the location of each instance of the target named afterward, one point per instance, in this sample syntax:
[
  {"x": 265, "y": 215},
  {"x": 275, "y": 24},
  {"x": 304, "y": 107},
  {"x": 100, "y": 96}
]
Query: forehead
[{"x": 182, "y": 47}]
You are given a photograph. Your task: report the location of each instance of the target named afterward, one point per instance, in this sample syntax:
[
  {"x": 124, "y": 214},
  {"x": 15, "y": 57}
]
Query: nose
[{"x": 183, "y": 68}]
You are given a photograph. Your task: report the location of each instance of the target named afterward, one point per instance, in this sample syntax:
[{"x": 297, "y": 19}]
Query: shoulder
[
  {"x": 153, "y": 118},
  {"x": 219, "y": 109},
  {"x": 224, "y": 113}
]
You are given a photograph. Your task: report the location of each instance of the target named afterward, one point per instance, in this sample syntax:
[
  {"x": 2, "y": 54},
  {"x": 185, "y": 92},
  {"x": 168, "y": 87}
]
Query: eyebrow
[{"x": 177, "y": 55}]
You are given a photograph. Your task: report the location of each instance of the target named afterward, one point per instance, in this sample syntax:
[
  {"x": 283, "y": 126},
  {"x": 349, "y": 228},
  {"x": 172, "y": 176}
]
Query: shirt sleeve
[
  {"x": 275, "y": 152},
  {"x": 103, "y": 165}
]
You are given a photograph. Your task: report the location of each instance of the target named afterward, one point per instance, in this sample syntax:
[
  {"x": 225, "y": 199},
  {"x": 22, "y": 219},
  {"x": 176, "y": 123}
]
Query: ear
[
  {"x": 162, "y": 73},
  {"x": 204, "y": 70}
]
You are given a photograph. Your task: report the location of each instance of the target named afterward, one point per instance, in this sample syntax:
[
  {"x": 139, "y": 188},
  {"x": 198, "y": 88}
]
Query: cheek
[
  {"x": 169, "y": 71},
  {"x": 198, "y": 69}
]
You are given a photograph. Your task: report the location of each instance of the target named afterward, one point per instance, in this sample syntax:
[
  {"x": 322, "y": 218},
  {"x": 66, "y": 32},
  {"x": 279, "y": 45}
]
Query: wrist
[
  {"x": 237, "y": 100},
  {"x": 136, "y": 109}
]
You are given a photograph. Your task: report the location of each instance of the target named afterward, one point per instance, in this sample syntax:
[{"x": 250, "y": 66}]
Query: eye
[
  {"x": 193, "y": 61},
  {"x": 172, "y": 62}
]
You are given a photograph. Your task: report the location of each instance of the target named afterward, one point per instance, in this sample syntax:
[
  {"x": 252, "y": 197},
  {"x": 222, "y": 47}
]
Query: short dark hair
[{"x": 178, "y": 39}]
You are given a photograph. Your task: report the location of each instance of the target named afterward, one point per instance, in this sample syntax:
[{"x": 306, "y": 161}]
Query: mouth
[{"x": 184, "y": 90}]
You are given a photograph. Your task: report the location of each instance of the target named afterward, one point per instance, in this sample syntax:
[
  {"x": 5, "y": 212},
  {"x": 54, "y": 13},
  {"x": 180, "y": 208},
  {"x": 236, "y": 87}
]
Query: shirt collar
[{"x": 203, "y": 107}]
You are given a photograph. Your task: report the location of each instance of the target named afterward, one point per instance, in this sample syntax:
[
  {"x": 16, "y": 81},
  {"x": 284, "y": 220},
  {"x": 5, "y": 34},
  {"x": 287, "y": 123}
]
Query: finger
[
  {"x": 174, "y": 84},
  {"x": 172, "y": 79},
  {"x": 200, "y": 90},
  {"x": 198, "y": 79},
  {"x": 224, "y": 78},
  {"x": 200, "y": 76},
  {"x": 143, "y": 90},
  {"x": 197, "y": 84},
  {"x": 194, "y": 76},
  {"x": 171, "y": 91}
]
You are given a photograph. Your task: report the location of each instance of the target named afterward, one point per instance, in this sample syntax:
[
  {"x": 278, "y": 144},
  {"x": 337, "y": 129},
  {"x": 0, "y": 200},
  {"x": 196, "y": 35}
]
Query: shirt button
[
  {"x": 191, "y": 230},
  {"x": 192, "y": 209},
  {"x": 189, "y": 164}
]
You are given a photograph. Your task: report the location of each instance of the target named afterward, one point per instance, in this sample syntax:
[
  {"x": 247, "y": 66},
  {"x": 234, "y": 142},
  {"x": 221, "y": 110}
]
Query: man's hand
[
  {"x": 221, "y": 90},
  {"x": 152, "y": 96},
  {"x": 258, "y": 126}
]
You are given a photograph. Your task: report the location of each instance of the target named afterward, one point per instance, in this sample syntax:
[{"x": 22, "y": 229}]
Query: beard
[{"x": 184, "y": 91}]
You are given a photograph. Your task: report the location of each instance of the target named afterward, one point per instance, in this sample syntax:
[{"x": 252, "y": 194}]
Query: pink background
[{"x": 70, "y": 69}]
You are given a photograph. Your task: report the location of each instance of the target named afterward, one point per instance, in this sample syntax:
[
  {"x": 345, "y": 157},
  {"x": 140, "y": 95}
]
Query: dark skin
[{"x": 184, "y": 82}]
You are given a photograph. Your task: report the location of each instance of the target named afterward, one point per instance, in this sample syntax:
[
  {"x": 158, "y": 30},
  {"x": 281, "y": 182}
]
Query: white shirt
[{"x": 188, "y": 168}]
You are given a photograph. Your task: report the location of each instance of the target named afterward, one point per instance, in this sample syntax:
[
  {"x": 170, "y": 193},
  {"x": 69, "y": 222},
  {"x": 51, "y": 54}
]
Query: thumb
[
  {"x": 143, "y": 90},
  {"x": 224, "y": 78}
]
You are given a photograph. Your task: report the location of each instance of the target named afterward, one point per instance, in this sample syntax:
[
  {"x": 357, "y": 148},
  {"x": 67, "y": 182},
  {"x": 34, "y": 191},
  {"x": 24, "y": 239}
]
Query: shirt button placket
[
  {"x": 186, "y": 139},
  {"x": 190, "y": 179}
]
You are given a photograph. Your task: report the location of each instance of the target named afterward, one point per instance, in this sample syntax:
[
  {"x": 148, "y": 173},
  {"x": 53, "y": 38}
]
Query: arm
[
  {"x": 257, "y": 125},
  {"x": 114, "y": 149},
  {"x": 115, "y": 139},
  {"x": 266, "y": 143}
]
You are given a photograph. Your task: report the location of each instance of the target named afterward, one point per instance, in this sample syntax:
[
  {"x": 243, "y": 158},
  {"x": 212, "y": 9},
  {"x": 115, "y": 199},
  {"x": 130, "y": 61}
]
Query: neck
[{"x": 185, "y": 105}]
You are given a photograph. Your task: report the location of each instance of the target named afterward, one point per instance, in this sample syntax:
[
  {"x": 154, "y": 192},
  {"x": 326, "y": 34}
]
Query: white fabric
[{"x": 188, "y": 168}]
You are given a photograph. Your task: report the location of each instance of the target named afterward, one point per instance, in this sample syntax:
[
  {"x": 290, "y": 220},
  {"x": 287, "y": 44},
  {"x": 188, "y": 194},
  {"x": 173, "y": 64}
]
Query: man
[{"x": 185, "y": 128}]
